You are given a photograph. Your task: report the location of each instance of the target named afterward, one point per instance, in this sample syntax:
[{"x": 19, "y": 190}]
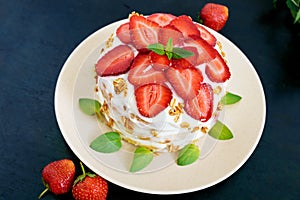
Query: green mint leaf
[
  {"x": 181, "y": 53},
  {"x": 169, "y": 46},
  {"x": 107, "y": 143},
  {"x": 230, "y": 98},
  {"x": 220, "y": 131},
  {"x": 89, "y": 106},
  {"x": 157, "y": 48},
  {"x": 142, "y": 158},
  {"x": 189, "y": 154},
  {"x": 169, "y": 55}
]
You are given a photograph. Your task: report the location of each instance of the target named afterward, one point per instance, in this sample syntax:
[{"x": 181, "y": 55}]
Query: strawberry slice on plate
[
  {"x": 162, "y": 19},
  {"x": 201, "y": 106},
  {"x": 123, "y": 33},
  {"x": 185, "y": 81},
  {"x": 206, "y": 35},
  {"x": 159, "y": 62},
  {"x": 116, "y": 61},
  {"x": 185, "y": 25},
  {"x": 205, "y": 51},
  {"x": 141, "y": 72},
  {"x": 143, "y": 32},
  {"x": 217, "y": 70},
  {"x": 152, "y": 98}
]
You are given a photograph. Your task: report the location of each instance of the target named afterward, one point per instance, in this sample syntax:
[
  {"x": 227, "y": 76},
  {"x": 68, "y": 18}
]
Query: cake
[{"x": 160, "y": 80}]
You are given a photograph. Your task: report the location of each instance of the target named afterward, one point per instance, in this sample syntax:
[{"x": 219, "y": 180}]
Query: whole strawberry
[
  {"x": 89, "y": 186},
  {"x": 214, "y": 16},
  {"x": 58, "y": 176}
]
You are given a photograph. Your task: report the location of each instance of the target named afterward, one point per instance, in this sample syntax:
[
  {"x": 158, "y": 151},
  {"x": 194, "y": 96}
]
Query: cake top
[{"x": 162, "y": 51}]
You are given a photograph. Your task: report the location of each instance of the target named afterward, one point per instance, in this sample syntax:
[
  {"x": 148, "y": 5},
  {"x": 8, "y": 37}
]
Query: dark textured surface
[{"x": 36, "y": 37}]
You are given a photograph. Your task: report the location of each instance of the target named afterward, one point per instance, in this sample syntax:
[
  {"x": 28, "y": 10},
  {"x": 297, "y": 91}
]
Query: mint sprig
[{"x": 169, "y": 50}]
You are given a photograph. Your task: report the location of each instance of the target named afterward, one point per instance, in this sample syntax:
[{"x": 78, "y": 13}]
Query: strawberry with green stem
[
  {"x": 89, "y": 186},
  {"x": 58, "y": 176}
]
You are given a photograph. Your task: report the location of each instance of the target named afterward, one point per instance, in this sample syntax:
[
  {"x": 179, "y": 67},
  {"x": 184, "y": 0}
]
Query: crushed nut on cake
[
  {"x": 175, "y": 110},
  {"x": 204, "y": 129},
  {"x": 172, "y": 148},
  {"x": 217, "y": 90},
  {"x": 184, "y": 125},
  {"x": 129, "y": 125},
  {"x": 120, "y": 86}
]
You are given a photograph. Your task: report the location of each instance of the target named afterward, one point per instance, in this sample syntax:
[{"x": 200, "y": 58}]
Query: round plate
[{"x": 77, "y": 80}]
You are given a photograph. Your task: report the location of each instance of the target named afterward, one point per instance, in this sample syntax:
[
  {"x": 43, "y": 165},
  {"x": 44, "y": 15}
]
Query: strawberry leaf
[
  {"x": 189, "y": 154},
  {"x": 230, "y": 98},
  {"x": 142, "y": 158},
  {"x": 220, "y": 131},
  {"x": 107, "y": 143},
  {"x": 89, "y": 106},
  {"x": 157, "y": 48}
]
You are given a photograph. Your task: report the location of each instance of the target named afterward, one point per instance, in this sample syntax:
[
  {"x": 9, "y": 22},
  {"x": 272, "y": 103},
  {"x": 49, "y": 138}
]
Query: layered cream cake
[{"x": 160, "y": 81}]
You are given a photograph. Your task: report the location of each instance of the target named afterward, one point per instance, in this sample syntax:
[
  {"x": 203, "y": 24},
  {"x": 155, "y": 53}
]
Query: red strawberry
[
  {"x": 217, "y": 70},
  {"x": 143, "y": 32},
  {"x": 205, "y": 51},
  {"x": 89, "y": 186},
  {"x": 141, "y": 71},
  {"x": 168, "y": 32},
  {"x": 185, "y": 81},
  {"x": 206, "y": 35},
  {"x": 123, "y": 33},
  {"x": 201, "y": 106},
  {"x": 152, "y": 98},
  {"x": 116, "y": 61},
  {"x": 185, "y": 25},
  {"x": 162, "y": 19},
  {"x": 159, "y": 62},
  {"x": 58, "y": 176},
  {"x": 214, "y": 15}
]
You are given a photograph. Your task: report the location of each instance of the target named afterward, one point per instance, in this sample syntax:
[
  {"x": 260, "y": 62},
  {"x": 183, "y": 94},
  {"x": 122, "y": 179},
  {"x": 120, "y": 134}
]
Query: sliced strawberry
[
  {"x": 123, "y": 33},
  {"x": 181, "y": 63},
  {"x": 185, "y": 25},
  {"x": 206, "y": 35},
  {"x": 185, "y": 81},
  {"x": 159, "y": 62},
  {"x": 116, "y": 61},
  {"x": 152, "y": 98},
  {"x": 141, "y": 72},
  {"x": 205, "y": 51},
  {"x": 162, "y": 19},
  {"x": 217, "y": 70},
  {"x": 143, "y": 32},
  {"x": 168, "y": 32},
  {"x": 201, "y": 106}
]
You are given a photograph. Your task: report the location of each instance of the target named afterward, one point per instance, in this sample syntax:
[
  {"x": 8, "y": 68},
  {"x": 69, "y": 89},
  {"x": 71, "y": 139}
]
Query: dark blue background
[{"x": 36, "y": 37}]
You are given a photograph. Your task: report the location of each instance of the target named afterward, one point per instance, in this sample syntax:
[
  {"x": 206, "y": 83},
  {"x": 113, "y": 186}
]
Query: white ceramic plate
[{"x": 245, "y": 119}]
